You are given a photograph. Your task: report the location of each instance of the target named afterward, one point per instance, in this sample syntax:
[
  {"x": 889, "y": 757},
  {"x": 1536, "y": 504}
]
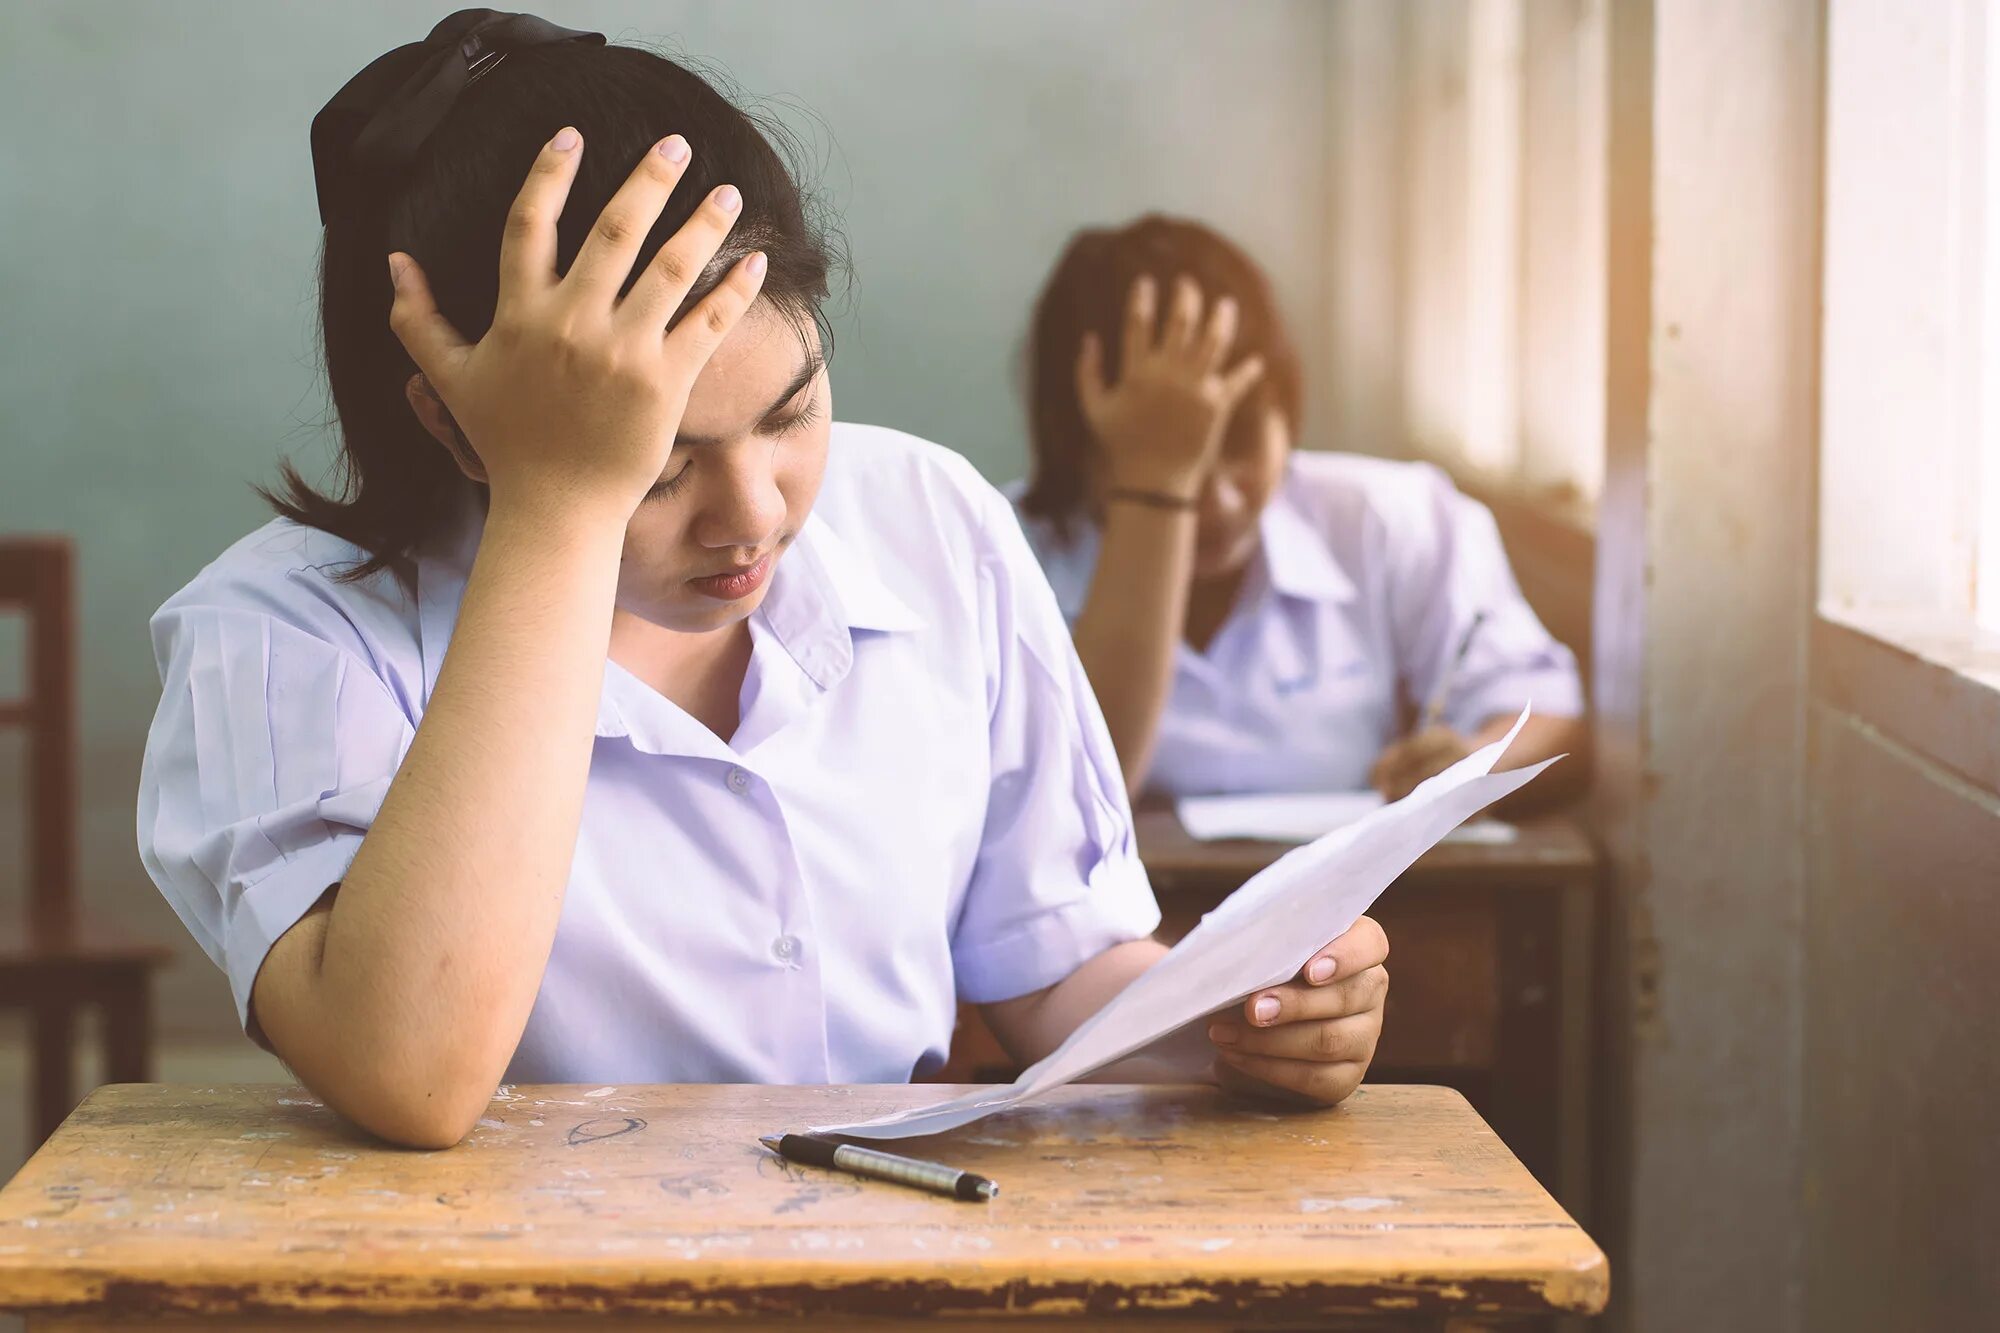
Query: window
[
  {"x": 1910, "y": 361},
  {"x": 1987, "y": 571}
]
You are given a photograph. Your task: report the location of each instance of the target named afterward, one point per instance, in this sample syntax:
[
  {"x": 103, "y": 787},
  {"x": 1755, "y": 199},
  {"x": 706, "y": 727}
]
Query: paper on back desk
[
  {"x": 1288, "y": 816},
  {"x": 1261, "y": 935},
  {"x": 1304, "y": 815}
]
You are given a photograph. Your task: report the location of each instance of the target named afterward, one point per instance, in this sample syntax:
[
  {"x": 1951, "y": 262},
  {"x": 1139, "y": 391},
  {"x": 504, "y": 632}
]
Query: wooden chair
[{"x": 60, "y": 968}]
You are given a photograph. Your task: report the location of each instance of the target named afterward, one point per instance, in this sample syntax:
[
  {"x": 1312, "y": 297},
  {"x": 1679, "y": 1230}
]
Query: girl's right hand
[
  {"x": 1160, "y": 426},
  {"x": 573, "y": 396}
]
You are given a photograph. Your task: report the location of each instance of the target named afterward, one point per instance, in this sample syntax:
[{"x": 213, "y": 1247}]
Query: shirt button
[
  {"x": 786, "y": 948},
  {"x": 739, "y": 781}
]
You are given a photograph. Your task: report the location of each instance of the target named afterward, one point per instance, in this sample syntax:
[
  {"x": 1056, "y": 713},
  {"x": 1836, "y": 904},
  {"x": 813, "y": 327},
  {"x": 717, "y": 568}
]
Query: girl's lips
[{"x": 734, "y": 586}]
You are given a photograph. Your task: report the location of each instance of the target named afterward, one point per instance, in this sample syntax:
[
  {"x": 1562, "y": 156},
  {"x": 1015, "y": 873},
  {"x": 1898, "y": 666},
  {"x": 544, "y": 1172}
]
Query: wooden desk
[
  {"x": 255, "y": 1207},
  {"x": 1490, "y": 964}
]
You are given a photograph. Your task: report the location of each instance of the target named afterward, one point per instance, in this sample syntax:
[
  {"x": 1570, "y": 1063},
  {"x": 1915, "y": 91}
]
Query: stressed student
[
  {"x": 618, "y": 718},
  {"x": 1255, "y": 618}
]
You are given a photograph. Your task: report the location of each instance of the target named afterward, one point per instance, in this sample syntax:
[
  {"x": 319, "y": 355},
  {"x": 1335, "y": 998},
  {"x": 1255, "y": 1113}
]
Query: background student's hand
[
  {"x": 575, "y": 393},
  {"x": 1313, "y": 1038},
  {"x": 1161, "y": 425},
  {"x": 1410, "y": 760}
]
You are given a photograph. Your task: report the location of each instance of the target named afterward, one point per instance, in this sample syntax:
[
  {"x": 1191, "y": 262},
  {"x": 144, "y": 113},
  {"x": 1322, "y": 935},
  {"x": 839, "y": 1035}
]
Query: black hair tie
[{"x": 373, "y": 128}]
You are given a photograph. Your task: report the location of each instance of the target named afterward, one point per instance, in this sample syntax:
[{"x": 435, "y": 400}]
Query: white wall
[{"x": 156, "y": 206}]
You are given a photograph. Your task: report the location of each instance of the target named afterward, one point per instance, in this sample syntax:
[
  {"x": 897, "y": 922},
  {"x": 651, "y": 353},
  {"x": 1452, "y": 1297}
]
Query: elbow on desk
[
  {"x": 418, "y": 1095},
  {"x": 408, "y": 1095},
  {"x": 418, "y": 1082},
  {"x": 429, "y": 1118}
]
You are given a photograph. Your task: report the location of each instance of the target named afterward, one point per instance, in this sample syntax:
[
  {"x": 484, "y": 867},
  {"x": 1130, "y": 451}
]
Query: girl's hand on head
[
  {"x": 1311, "y": 1039},
  {"x": 574, "y": 395},
  {"x": 1161, "y": 425},
  {"x": 1409, "y": 761}
]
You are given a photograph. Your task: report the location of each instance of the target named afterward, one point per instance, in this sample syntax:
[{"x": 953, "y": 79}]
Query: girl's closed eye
[
  {"x": 668, "y": 487},
  {"x": 789, "y": 424},
  {"x": 804, "y": 415}
]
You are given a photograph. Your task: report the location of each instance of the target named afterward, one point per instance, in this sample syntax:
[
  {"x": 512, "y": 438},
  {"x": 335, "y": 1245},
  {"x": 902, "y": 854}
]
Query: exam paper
[
  {"x": 1261, "y": 935},
  {"x": 1301, "y": 816}
]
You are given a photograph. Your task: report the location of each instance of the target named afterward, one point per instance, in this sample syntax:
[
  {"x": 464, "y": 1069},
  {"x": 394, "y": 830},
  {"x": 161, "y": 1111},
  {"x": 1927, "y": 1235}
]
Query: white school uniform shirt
[
  {"x": 920, "y": 804},
  {"x": 1367, "y": 575}
]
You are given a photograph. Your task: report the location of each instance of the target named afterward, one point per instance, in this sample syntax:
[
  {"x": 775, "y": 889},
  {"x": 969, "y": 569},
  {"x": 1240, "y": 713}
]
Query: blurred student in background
[{"x": 1253, "y": 617}]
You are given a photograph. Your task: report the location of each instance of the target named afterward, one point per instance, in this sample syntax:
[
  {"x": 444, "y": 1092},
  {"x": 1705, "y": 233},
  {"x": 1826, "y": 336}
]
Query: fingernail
[
  {"x": 1265, "y": 1009},
  {"x": 566, "y": 139},
  {"x": 1321, "y": 970},
  {"x": 1224, "y": 1032},
  {"x": 756, "y": 263},
  {"x": 674, "y": 149},
  {"x": 398, "y": 265},
  {"x": 727, "y": 199}
]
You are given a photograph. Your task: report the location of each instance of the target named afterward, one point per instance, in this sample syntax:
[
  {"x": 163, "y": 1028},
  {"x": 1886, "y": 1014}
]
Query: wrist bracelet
[{"x": 1156, "y": 499}]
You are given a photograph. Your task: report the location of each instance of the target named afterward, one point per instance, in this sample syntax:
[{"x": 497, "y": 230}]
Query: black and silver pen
[{"x": 813, "y": 1150}]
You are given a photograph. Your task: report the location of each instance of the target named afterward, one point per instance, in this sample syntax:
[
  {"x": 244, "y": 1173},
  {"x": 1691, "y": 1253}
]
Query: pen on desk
[
  {"x": 1434, "y": 710},
  {"x": 813, "y": 1150}
]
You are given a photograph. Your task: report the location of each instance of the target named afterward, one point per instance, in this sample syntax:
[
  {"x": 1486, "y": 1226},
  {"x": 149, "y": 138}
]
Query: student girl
[
  {"x": 1254, "y": 618},
  {"x": 617, "y": 718}
]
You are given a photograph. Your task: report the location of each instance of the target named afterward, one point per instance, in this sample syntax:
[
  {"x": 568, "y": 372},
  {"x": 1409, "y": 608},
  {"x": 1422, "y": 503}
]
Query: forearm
[
  {"x": 434, "y": 949},
  {"x": 1033, "y": 1025},
  {"x": 1541, "y": 738},
  {"x": 1132, "y": 621}
]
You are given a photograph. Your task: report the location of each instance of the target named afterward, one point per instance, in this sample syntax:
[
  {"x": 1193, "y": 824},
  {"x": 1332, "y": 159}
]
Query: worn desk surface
[
  {"x": 1549, "y": 853},
  {"x": 258, "y": 1204}
]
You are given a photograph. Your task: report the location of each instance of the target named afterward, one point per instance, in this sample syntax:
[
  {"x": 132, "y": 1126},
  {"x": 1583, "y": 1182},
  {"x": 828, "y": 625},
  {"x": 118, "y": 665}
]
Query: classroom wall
[
  {"x": 157, "y": 204},
  {"x": 1367, "y": 249},
  {"x": 1902, "y": 1066}
]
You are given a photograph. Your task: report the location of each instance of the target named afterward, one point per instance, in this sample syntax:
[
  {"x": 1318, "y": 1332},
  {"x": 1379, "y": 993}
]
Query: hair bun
[{"x": 373, "y": 128}]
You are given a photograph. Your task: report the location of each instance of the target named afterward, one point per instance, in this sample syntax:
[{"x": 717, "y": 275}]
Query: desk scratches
[{"x": 258, "y": 1205}]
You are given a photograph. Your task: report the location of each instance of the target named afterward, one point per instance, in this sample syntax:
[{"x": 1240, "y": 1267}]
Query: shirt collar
[
  {"x": 821, "y": 592},
  {"x": 1067, "y": 563},
  {"x": 849, "y": 586},
  {"x": 1298, "y": 560}
]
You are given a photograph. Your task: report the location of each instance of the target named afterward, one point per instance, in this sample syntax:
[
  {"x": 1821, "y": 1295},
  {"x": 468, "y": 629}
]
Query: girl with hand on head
[
  {"x": 620, "y": 718},
  {"x": 1254, "y": 618}
]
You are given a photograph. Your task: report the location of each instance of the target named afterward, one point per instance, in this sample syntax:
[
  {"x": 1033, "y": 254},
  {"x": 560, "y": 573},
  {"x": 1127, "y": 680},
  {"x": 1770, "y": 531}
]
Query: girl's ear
[{"x": 437, "y": 419}]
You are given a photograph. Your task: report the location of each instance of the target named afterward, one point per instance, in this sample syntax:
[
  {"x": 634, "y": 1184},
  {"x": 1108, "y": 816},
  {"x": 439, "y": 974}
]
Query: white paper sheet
[
  {"x": 1304, "y": 815},
  {"x": 1289, "y": 816},
  {"x": 1484, "y": 833},
  {"x": 1261, "y": 935}
]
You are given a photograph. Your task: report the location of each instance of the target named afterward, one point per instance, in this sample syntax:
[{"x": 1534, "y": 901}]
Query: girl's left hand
[{"x": 1310, "y": 1039}]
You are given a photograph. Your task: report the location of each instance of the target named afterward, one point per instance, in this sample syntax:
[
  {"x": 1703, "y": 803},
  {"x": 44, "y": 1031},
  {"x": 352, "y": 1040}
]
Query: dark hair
[
  {"x": 395, "y": 485},
  {"x": 1087, "y": 292}
]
